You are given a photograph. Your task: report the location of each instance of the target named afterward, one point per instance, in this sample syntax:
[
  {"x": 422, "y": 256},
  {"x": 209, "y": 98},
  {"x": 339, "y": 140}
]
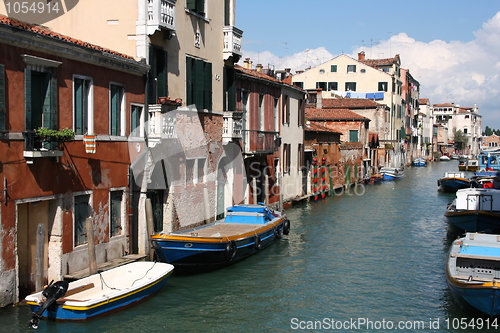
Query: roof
[
  {"x": 6, "y": 21},
  {"x": 336, "y": 115},
  {"x": 349, "y": 103},
  {"x": 315, "y": 127},
  {"x": 423, "y": 101},
  {"x": 444, "y": 104},
  {"x": 262, "y": 76},
  {"x": 381, "y": 62}
]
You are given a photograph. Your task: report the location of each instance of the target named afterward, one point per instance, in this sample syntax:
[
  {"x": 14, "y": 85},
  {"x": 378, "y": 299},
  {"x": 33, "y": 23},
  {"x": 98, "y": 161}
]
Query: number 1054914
[{"x": 32, "y": 7}]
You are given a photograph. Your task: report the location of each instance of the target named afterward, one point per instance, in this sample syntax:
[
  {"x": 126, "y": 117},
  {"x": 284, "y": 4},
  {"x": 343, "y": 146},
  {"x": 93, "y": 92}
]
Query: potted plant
[{"x": 51, "y": 138}]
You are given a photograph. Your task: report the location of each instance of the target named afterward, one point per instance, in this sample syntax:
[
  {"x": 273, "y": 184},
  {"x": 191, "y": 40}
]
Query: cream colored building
[{"x": 376, "y": 79}]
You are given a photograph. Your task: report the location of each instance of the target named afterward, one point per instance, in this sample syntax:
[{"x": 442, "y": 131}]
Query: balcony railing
[
  {"x": 161, "y": 124},
  {"x": 232, "y": 42},
  {"x": 261, "y": 142},
  {"x": 35, "y": 147},
  {"x": 232, "y": 126},
  {"x": 161, "y": 15}
]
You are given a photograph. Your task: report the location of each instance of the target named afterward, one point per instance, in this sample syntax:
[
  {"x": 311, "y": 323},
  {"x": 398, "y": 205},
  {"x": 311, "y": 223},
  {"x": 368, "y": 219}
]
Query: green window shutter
[
  {"x": 200, "y": 6},
  {"x": 231, "y": 91},
  {"x": 46, "y": 107},
  {"x": 78, "y": 107},
  {"x": 333, "y": 68},
  {"x": 207, "y": 75},
  {"x": 161, "y": 63},
  {"x": 115, "y": 110},
  {"x": 226, "y": 12},
  {"x": 191, "y": 4},
  {"x": 225, "y": 92},
  {"x": 353, "y": 136},
  {"x": 198, "y": 83},
  {"x": 54, "y": 124},
  {"x": 152, "y": 98},
  {"x": 27, "y": 98},
  {"x": 189, "y": 80},
  {"x": 2, "y": 98}
]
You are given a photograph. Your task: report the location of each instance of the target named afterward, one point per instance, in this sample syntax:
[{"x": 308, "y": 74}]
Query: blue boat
[
  {"x": 453, "y": 181},
  {"x": 475, "y": 210},
  {"x": 391, "y": 173},
  {"x": 102, "y": 293},
  {"x": 245, "y": 230},
  {"x": 419, "y": 161},
  {"x": 472, "y": 270},
  {"x": 489, "y": 162}
]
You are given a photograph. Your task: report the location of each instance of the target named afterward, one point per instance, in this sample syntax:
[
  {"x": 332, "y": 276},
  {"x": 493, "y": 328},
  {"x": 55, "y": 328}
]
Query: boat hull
[
  {"x": 192, "y": 254},
  {"x": 72, "y": 311},
  {"x": 474, "y": 220},
  {"x": 453, "y": 184},
  {"x": 483, "y": 297}
]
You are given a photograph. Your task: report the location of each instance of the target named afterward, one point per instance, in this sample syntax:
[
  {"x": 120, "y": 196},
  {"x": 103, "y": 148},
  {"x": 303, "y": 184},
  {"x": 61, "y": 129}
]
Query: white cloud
[{"x": 465, "y": 73}]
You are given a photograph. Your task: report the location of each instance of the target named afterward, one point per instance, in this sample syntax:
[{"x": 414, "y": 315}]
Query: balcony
[
  {"x": 161, "y": 15},
  {"x": 261, "y": 142},
  {"x": 161, "y": 124},
  {"x": 35, "y": 147},
  {"x": 232, "y": 42},
  {"x": 232, "y": 126}
]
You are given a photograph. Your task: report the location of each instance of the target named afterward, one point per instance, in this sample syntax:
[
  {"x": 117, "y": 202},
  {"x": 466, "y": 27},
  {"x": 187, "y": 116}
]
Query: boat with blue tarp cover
[
  {"x": 245, "y": 230},
  {"x": 100, "y": 293},
  {"x": 389, "y": 173},
  {"x": 419, "y": 161},
  {"x": 473, "y": 271},
  {"x": 453, "y": 181},
  {"x": 475, "y": 209}
]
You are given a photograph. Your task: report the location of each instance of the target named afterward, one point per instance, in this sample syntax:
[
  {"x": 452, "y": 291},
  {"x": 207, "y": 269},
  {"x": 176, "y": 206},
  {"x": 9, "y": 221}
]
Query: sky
[{"x": 451, "y": 47}]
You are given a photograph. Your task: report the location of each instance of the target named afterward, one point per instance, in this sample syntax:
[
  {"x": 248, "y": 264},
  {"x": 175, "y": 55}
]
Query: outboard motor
[{"x": 51, "y": 294}]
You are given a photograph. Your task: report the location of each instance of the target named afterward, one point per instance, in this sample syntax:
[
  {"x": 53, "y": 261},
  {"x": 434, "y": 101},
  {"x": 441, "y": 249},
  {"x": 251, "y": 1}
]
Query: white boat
[
  {"x": 100, "y": 293},
  {"x": 391, "y": 173},
  {"x": 444, "y": 158}
]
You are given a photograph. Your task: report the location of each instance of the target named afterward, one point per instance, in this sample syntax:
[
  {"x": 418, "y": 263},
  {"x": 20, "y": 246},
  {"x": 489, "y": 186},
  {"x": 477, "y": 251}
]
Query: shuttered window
[
  {"x": 198, "y": 83},
  {"x": 157, "y": 82},
  {"x": 81, "y": 92},
  {"x": 116, "y": 213},
  {"x": 81, "y": 211},
  {"x": 3, "y": 108},
  {"x": 197, "y": 6},
  {"x": 353, "y": 136},
  {"x": 116, "y": 104}
]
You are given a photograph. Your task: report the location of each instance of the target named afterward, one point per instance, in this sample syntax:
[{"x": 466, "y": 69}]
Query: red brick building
[{"x": 50, "y": 188}]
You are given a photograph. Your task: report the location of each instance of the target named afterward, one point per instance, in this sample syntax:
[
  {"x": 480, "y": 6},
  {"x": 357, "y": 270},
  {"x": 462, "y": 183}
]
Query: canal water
[{"x": 376, "y": 254}]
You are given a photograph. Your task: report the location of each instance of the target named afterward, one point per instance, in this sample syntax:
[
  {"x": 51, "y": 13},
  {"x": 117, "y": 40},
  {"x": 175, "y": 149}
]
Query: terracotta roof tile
[
  {"x": 444, "y": 104},
  {"x": 263, "y": 76},
  {"x": 337, "y": 114},
  {"x": 349, "y": 103},
  {"x": 315, "y": 127},
  {"x": 423, "y": 101},
  {"x": 381, "y": 62},
  {"x": 4, "y": 20}
]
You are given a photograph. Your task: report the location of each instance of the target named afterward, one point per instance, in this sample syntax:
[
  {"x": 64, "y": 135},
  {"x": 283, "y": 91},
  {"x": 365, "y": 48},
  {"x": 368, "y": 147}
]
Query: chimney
[
  {"x": 319, "y": 99},
  {"x": 361, "y": 56},
  {"x": 259, "y": 68},
  {"x": 288, "y": 70},
  {"x": 247, "y": 63},
  {"x": 299, "y": 72}
]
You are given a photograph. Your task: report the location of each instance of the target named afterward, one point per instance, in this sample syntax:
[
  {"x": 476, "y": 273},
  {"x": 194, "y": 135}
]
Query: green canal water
[{"x": 377, "y": 255}]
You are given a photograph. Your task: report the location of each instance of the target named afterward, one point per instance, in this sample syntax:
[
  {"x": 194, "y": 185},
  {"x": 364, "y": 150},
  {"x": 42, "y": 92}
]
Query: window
[
  {"x": 301, "y": 112},
  {"x": 466, "y": 116},
  {"x": 351, "y": 68},
  {"x": 465, "y": 130},
  {"x": 350, "y": 86},
  {"x": 115, "y": 215},
  {"x": 321, "y": 85},
  {"x": 333, "y": 86},
  {"x": 82, "y": 105},
  {"x": 276, "y": 115},
  {"x": 333, "y": 68},
  {"x": 197, "y": 6},
  {"x": 260, "y": 119},
  {"x": 190, "y": 171},
  {"x": 285, "y": 109},
  {"x": 299, "y": 84},
  {"x": 3, "y": 108},
  {"x": 286, "y": 158},
  {"x": 116, "y": 110},
  {"x": 199, "y": 83},
  {"x": 353, "y": 136},
  {"x": 386, "y": 69},
  {"x": 300, "y": 156},
  {"x": 81, "y": 211},
  {"x": 136, "y": 121},
  {"x": 41, "y": 99},
  {"x": 322, "y": 71},
  {"x": 201, "y": 170},
  {"x": 382, "y": 86},
  {"x": 157, "y": 83},
  {"x": 229, "y": 99}
]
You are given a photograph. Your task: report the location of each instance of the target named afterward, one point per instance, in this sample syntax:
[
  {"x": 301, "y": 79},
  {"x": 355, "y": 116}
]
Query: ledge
[{"x": 42, "y": 153}]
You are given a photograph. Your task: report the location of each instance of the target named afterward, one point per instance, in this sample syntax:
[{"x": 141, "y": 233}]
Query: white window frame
[
  {"x": 90, "y": 116},
  {"x": 123, "y": 113}
]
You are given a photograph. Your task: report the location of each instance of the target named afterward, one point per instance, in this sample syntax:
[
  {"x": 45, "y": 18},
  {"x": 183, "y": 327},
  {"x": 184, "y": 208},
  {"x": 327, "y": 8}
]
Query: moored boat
[
  {"x": 473, "y": 269},
  {"x": 444, "y": 158},
  {"x": 475, "y": 209},
  {"x": 391, "y": 173},
  {"x": 99, "y": 293},
  {"x": 466, "y": 164},
  {"x": 489, "y": 160},
  {"x": 245, "y": 230},
  {"x": 420, "y": 161},
  {"x": 453, "y": 181}
]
